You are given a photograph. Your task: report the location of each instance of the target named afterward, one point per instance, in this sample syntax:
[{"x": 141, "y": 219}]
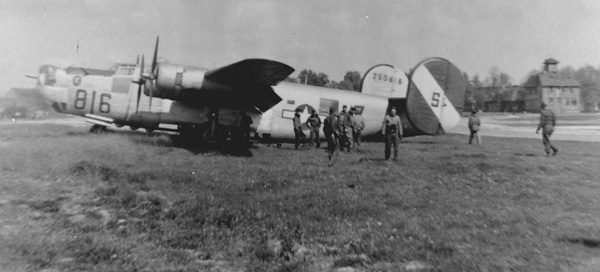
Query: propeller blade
[
  {"x": 142, "y": 68},
  {"x": 150, "y": 105},
  {"x": 138, "y": 59},
  {"x": 155, "y": 56},
  {"x": 139, "y": 93}
]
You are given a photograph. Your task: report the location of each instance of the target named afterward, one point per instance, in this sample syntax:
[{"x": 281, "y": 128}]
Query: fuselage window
[
  {"x": 359, "y": 109},
  {"x": 326, "y": 104}
]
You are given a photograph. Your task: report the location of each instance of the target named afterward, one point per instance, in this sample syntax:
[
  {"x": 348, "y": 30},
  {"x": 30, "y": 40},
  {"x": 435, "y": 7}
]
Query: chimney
[{"x": 550, "y": 65}]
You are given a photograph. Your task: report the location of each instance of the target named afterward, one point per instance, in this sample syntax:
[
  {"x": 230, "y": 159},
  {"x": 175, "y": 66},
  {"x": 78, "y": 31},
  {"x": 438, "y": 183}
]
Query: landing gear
[
  {"x": 98, "y": 129},
  {"x": 206, "y": 134}
]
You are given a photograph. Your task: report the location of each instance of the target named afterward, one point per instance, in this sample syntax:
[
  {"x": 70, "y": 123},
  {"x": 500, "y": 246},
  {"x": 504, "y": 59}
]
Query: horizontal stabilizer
[{"x": 251, "y": 72}]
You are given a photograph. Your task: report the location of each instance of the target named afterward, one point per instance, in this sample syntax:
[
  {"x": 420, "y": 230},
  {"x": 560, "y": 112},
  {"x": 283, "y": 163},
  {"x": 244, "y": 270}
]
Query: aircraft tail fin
[
  {"x": 385, "y": 80},
  {"x": 432, "y": 96},
  {"x": 435, "y": 96}
]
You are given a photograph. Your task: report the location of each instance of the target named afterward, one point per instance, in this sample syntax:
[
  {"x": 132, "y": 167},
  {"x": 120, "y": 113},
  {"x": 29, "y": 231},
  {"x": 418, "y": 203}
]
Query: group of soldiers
[{"x": 343, "y": 130}]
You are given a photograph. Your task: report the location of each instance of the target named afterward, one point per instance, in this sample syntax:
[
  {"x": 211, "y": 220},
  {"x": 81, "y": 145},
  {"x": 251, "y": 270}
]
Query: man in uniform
[
  {"x": 358, "y": 124},
  {"x": 392, "y": 130},
  {"x": 348, "y": 129},
  {"x": 330, "y": 128},
  {"x": 314, "y": 123},
  {"x": 342, "y": 127},
  {"x": 547, "y": 123},
  {"x": 298, "y": 133},
  {"x": 474, "y": 124},
  {"x": 245, "y": 123}
]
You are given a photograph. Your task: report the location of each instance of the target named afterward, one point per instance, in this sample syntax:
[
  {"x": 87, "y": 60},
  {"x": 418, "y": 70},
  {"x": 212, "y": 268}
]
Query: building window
[
  {"x": 558, "y": 100},
  {"x": 574, "y": 101},
  {"x": 550, "y": 100},
  {"x": 567, "y": 101}
]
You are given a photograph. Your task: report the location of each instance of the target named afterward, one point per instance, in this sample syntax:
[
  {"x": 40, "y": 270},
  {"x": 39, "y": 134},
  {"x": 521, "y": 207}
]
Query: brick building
[{"x": 559, "y": 92}]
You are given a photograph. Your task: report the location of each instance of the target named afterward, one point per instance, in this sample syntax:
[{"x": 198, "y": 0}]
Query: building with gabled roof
[
  {"x": 503, "y": 99},
  {"x": 561, "y": 93}
]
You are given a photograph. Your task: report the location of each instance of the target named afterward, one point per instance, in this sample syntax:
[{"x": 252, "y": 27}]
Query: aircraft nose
[{"x": 47, "y": 75}]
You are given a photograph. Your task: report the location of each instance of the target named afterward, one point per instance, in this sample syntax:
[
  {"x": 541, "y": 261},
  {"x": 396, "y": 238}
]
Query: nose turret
[
  {"x": 47, "y": 75},
  {"x": 48, "y": 86}
]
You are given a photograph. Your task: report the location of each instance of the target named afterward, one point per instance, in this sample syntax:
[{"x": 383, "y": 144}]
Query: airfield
[
  {"x": 570, "y": 127},
  {"x": 125, "y": 201}
]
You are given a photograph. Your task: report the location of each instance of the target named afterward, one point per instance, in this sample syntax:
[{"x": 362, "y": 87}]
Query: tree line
[
  {"x": 351, "y": 81},
  {"x": 588, "y": 76}
]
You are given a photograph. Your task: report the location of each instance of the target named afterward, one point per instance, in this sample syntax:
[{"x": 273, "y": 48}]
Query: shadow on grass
[
  {"x": 161, "y": 139},
  {"x": 371, "y": 159},
  {"x": 526, "y": 154},
  {"x": 587, "y": 242}
]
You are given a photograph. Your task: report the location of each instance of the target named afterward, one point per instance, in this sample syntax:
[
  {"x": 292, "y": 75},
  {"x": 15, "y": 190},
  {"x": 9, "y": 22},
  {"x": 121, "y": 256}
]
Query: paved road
[{"x": 500, "y": 126}]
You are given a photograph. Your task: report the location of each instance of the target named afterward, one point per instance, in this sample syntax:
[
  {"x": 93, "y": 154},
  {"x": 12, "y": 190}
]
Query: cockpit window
[{"x": 125, "y": 71}]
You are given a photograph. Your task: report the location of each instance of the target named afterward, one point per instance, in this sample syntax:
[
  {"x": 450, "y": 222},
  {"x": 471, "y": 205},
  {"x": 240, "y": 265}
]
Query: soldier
[
  {"x": 358, "y": 124},
  {"x": 298, "y": 133},
  {"x": 330, "y": 128},
  {"x": 547, "y": 123},
  {"x": 245, "y": 123},
  {"x": 474, "y": 124},
  {"x": 392, "y": 130},
  {"x": 348, "y": 129},
  {"x": 314, "y": 123},
  {"x": 342, "y": 127}
]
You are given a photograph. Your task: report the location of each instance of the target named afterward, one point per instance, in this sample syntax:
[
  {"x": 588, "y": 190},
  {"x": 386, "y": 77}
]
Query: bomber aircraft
[{"x": 206, "y": 105}]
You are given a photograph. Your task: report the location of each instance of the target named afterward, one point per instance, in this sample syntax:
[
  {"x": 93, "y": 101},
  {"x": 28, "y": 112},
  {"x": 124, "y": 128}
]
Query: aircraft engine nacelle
[{"x": 172, "y": 78}]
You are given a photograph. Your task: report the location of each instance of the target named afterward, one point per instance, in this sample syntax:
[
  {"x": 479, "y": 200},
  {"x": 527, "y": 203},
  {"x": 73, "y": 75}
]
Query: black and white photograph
[{"x": 299, "y": 136}]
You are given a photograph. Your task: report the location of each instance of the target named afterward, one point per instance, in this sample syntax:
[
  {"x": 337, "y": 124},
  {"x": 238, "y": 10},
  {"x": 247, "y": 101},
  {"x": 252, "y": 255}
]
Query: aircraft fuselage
[{"x": 113, "y": 99}]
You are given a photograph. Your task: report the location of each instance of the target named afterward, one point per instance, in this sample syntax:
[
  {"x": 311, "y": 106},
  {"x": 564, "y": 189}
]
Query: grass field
[{"x": 126, "y": 201}]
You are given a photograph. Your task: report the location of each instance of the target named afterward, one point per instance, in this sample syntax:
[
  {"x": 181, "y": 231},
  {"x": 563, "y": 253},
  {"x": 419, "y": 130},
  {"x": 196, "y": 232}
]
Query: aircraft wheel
[
  {"x": 98, "y": 129},
  {"x": 212, "y": 137}
]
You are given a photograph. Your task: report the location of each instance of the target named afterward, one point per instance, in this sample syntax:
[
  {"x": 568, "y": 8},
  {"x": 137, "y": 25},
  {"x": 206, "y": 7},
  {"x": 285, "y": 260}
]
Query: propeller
[
  {"x": 140, "y": 81},
  {"x": 152, "y": 75},
  {"x": 146, "y": 80}
]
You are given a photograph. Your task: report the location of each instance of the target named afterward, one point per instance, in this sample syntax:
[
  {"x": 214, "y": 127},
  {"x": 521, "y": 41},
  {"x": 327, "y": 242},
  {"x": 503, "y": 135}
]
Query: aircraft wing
[
  {"x": 244, "y": 85},
  {"x": 251, "y": 72}
]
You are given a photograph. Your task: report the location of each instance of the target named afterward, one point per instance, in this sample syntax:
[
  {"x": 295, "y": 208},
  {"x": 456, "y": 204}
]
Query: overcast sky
[{"x": 326, "y": 36}]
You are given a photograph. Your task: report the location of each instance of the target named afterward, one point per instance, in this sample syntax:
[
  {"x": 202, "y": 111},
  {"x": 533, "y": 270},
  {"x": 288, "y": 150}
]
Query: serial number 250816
[{"x": 384, "y": 77}]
